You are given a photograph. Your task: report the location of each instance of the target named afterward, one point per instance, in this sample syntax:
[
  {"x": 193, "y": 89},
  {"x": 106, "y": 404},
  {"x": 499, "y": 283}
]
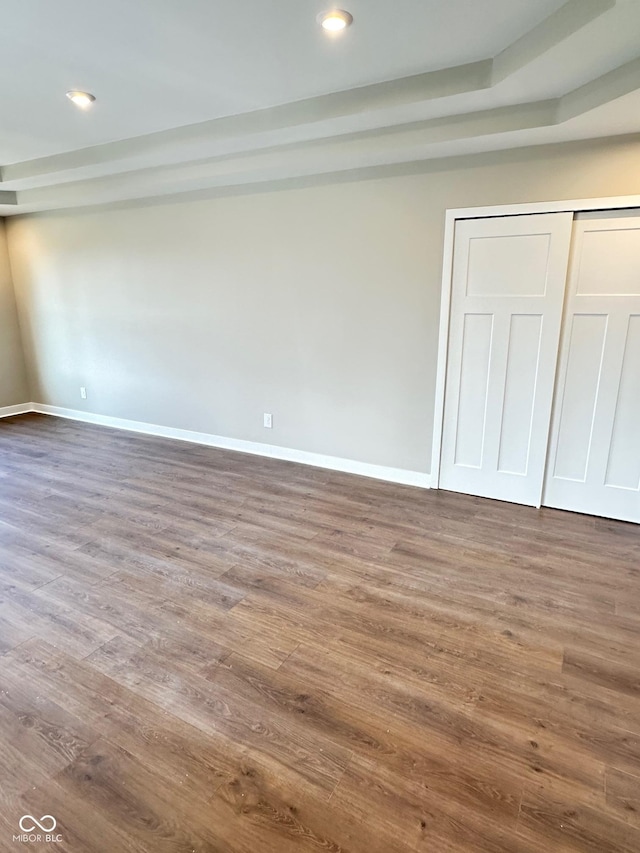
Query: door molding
[{"x": 452, "y": 216}]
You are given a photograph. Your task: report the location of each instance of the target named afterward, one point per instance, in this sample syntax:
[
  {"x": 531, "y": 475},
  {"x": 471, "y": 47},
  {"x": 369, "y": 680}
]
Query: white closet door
[
  {"x": 508, "y": 285},
  {"x": 594, "y": 457}
]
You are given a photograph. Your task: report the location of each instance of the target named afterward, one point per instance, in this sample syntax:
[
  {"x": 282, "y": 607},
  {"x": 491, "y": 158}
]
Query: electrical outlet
[
  {"x": 83, "y": 392},
  {"x": 268, "y": 421}
]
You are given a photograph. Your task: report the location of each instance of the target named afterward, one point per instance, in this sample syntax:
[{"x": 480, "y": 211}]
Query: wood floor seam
[{"x": 337, "y": 785}]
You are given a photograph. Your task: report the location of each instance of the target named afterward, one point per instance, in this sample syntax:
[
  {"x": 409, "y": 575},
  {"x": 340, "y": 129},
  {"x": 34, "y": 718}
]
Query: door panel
[
  {"x": 507, "y": 292},
  {"x": 594, "y": 454},
  {"x": 477, "y": 337},
  {"x": 523, "y": 364},
  {"x": 623, "y": 468},
  {"x": 498, "y": 262},
  {"x": 582, "y": 380}
]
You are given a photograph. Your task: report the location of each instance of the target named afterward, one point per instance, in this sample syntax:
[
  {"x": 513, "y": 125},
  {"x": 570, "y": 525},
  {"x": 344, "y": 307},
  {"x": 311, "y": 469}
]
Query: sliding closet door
[
  {"x": 508, "y": 285},
  {"x": 594, "y": 458}
]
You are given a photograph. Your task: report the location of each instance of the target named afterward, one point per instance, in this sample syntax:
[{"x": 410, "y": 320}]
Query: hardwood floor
[{"x": 208, "y": 651}]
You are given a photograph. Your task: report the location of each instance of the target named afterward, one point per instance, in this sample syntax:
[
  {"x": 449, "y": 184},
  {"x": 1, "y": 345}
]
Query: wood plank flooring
[{"x": 209, "y": 651}]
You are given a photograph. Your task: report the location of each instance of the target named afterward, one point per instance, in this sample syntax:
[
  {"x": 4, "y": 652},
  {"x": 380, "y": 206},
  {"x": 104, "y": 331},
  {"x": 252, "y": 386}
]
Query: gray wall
[
  {"x": 317, "y": 304},
  {"x": 13, "y": 380}
]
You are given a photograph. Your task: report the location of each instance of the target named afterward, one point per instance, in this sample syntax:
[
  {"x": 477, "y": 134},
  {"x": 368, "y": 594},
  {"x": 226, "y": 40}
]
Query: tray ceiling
[{"x": 206, "y": 94}]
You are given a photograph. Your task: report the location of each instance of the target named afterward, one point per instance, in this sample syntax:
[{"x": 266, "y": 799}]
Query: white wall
[
  {"x": 319, "y": 305},
  {"x": 13, "y": 380}
]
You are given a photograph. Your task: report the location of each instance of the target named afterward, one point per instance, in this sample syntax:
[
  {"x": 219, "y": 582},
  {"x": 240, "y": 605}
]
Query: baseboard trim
[
  {"x": 20, "y": 409},
  {"x": 317, "y": 460}
]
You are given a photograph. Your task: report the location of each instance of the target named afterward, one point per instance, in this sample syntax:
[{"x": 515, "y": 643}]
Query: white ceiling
[
  {"x": 168, "y": 75},
  {"x": 156, "y": 64}
]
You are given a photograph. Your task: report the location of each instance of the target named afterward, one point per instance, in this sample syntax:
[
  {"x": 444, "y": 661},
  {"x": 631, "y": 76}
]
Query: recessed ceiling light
[
  {"x": 81, "y": 99},
  {"x": 335, "y": 20}
]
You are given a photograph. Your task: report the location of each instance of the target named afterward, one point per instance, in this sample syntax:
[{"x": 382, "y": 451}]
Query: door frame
[{"x": 452, "y": 216}]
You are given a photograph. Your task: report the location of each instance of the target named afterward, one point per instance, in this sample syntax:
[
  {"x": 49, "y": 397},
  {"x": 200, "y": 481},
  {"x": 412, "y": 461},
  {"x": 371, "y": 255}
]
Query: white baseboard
[
  {"x": 20, "y": 409},
  {"x": 333, "y": 463}
]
